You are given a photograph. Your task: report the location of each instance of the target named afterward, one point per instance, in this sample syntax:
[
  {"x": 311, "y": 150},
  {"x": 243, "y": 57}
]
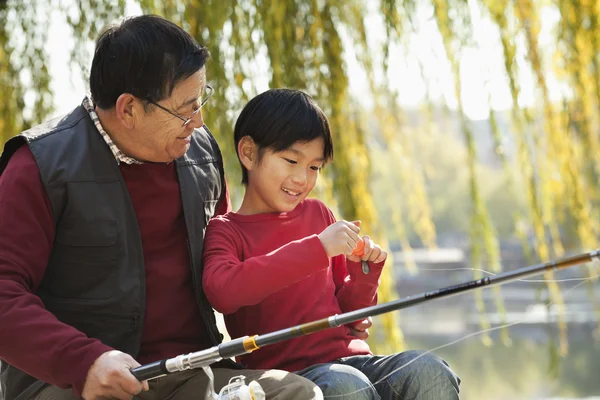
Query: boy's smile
[{"x": 290, "y": 192}]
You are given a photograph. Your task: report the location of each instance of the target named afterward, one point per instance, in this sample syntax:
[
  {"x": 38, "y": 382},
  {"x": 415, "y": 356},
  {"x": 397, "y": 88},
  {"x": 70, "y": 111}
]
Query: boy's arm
[
  {"x": 354, "y": 288},
  {"x": 225, "y": 202},
  {"x": 230, "y": 283}
]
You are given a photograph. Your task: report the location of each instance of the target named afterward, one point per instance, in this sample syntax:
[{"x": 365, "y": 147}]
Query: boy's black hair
[
  {"x": 278, "y": 118},
  {"x": 146, "y": 56}
]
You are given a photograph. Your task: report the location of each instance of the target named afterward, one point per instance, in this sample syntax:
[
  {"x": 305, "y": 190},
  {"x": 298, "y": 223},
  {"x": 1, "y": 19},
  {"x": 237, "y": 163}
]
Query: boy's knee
[
  {"x": 345, "y": 382},
  {"x": 434, "y": 368},
  {"x": 425, "y": 372}
]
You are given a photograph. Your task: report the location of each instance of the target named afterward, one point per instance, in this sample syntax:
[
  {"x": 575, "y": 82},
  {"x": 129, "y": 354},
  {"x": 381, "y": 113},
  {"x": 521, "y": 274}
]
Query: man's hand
[
  {"x": 361, "y": 329},
  {"x": 109, "y": 377}
]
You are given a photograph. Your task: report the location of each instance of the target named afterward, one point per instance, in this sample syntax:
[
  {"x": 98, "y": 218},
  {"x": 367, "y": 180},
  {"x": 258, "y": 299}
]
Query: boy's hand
[
  {"x": 370, "y": 253},
  {"x": 340, "y": 238},
  {"x": 361, "y": 329}
]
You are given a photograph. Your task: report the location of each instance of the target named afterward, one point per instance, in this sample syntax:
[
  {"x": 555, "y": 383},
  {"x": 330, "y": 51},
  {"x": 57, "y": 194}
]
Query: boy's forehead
[{"x": 314, "y": 148}]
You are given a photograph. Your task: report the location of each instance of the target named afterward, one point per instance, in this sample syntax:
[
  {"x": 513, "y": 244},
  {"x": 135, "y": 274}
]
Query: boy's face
[{"x": 278, "y": 182}]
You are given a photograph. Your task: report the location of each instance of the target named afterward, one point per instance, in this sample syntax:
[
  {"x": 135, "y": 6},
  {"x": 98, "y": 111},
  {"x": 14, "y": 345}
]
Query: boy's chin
[{"x": 287, "y": 207}]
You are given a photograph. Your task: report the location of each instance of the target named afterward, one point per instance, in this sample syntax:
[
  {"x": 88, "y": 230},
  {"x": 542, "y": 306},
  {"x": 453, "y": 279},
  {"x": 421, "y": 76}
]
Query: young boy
[{"x": 283, "y": 260}]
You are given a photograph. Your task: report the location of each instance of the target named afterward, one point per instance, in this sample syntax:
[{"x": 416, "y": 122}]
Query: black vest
[{"x": 95, "y": 279}]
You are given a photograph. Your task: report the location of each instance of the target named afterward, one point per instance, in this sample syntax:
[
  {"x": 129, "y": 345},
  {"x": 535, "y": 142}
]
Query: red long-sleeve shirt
[
  {"x": 31, "y": 338},
  {"x": 270, "y": 271}
]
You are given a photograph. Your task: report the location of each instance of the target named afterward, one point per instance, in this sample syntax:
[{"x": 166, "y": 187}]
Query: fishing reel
[{"x": 236, "y": 389}]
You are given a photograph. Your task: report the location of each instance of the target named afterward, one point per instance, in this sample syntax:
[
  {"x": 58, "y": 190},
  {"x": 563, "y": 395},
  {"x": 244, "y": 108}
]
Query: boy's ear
[{"x": 247, "y": 152}]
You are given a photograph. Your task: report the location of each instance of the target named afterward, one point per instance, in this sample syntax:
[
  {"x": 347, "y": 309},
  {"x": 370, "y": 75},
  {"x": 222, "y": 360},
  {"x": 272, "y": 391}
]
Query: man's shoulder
[
  {"x": 23, "y": 158},
  {"x": 57, "y": 124},
  {"x": 42, "y": 131},
  {"x": 204, "y": 147},
  {"x": 22, "y": 163}
]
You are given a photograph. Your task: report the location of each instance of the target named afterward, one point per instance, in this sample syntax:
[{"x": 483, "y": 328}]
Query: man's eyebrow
[
  {"x": 188, "y": 102},
  {"x": 191, "y": 100}
]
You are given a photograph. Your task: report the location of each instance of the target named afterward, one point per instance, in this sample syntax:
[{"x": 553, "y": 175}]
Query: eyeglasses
[{"x": 209, "y": 91}]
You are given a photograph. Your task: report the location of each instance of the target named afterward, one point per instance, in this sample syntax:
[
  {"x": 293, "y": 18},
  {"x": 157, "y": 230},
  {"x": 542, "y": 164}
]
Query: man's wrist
[{"x": 82, "y": 368}]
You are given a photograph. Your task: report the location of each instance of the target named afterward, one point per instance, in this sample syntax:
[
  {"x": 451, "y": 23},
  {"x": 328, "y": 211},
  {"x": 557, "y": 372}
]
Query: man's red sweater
[
  {"x": 31, "y": 338},
  {"x": 270, "y": 271}
]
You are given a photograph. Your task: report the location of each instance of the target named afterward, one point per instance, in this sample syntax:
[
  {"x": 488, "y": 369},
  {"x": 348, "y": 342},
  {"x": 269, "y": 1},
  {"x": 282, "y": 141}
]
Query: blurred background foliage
[{"x": 424, "y": 175}]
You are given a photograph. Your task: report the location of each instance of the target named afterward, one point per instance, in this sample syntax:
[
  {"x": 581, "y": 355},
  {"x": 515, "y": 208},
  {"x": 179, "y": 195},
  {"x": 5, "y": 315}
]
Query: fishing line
[
  {"x": 516, "y": 280},
  {"x": 470, "y": 335}
]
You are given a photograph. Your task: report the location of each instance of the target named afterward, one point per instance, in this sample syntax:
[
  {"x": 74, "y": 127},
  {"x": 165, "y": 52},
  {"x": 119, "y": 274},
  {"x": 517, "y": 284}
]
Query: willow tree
[
  {"x": 304, "y": 44},
  {"x": 23, "y": 70}
]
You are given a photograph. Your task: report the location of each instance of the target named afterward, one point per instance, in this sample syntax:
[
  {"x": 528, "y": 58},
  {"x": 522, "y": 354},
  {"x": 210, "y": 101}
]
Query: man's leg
[
  {"x": 338, "y": 381},
  {"x": 55, "y": 393},
  {"x": 408, "y": 376},
  {"x": 278, "y": 385}
]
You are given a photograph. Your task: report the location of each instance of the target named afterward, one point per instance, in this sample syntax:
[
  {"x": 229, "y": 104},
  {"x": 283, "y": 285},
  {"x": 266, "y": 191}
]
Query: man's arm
[{"x": 31, "y": 338}]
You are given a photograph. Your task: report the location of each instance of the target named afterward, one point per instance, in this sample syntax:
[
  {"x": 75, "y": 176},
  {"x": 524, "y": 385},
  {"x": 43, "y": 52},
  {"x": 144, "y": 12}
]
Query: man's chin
[{"x": 179, "y": 152}]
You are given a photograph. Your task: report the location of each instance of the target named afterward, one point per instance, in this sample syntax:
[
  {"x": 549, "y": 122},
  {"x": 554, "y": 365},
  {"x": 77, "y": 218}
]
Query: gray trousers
[{"x": 192, "y": 384}]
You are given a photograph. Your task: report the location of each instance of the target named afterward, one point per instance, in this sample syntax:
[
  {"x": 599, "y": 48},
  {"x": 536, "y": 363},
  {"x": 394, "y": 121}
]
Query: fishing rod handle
[
  {"x": 150, "y": 371},
  {"x": 182, "y": 362}
]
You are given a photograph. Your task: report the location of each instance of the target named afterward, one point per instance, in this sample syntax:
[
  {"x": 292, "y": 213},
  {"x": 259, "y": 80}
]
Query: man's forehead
[{"x": 190, "y": 89}]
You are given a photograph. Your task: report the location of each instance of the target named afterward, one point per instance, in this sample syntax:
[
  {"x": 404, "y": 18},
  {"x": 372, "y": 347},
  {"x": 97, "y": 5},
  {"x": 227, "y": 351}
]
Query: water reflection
[
  {"x": 528, "y": 366},
  {"x": 527, "y": 369}
]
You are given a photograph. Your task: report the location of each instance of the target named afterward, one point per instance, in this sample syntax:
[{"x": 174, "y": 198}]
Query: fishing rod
[{"x": 248, "y": 344}]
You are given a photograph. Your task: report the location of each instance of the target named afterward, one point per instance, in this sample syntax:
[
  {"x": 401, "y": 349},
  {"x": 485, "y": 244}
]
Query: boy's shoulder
[
  {"x": 316, "y": 205},
  {"x": 220, "y": 220},
  {"x": 311, "y": 202},
  {"x": 309, "y": 206}
]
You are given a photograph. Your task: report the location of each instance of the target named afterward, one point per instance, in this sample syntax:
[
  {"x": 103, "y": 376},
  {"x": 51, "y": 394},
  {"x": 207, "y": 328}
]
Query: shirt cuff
[
  {"x": 82, "y": 365},
  {"x": 355, "y": 270}
]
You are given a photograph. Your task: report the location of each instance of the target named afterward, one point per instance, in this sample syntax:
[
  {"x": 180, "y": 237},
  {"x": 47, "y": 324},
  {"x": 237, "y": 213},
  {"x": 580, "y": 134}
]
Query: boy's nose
[{"x": 299, "y": 179}]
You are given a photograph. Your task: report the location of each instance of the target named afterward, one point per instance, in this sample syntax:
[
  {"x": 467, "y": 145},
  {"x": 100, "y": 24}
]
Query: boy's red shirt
[{"x": 266, "y": 272}]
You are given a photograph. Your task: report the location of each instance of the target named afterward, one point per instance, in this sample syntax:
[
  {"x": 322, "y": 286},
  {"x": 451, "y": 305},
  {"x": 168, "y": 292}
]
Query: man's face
[{"x": 161, "y": 134}]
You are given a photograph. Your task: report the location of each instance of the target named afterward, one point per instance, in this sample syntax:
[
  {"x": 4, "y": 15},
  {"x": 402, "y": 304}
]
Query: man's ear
[
  {"x": 127, "y": 110},
  {"x": 247, "y": 152}
]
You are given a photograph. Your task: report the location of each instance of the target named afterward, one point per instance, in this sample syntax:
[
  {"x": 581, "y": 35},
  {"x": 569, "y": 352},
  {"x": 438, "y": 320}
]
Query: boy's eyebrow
[{"x": 296, "y": 151}]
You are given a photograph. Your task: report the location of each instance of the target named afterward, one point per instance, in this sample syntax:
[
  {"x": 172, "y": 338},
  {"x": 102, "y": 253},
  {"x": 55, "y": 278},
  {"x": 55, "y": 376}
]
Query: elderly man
[{"x": 102, "y": 214}]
